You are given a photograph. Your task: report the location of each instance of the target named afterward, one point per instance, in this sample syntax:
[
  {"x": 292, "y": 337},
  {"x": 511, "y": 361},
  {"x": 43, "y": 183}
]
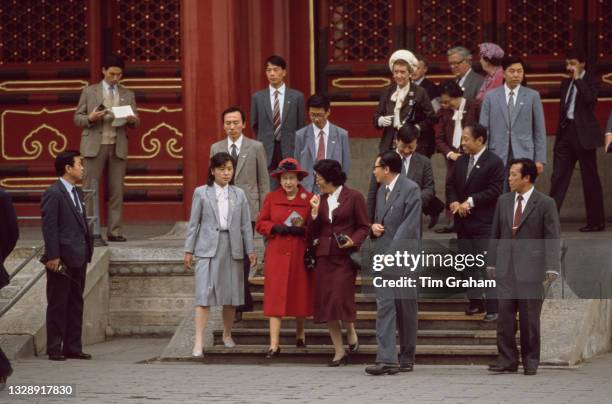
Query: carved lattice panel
[
  {"x": 604, "y": 28},
  {"x": 359, "y": 30},
  {"x": 33, "y": 31},
  {"x": 539, "y": 27},
  {"x": 147, "y": 30},
  {"x": 443, "y": 24}
]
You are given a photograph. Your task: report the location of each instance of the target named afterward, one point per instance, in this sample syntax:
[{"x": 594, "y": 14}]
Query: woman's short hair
[
  {"x": 216, "y": 161},
  {"x": 331, "y": 171},
  {"x": 451, "y": 88}
]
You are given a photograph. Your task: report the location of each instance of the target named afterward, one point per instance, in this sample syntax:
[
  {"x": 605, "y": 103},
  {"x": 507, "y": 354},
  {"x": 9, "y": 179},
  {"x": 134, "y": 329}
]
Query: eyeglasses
[
  {"x": 316, "y": 115},
  {"x": 456, "y": 63},
  {"x": 379, "y": 166}
]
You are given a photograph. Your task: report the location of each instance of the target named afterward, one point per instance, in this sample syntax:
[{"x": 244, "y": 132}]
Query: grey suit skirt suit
[{"x": 219, "y": 253}]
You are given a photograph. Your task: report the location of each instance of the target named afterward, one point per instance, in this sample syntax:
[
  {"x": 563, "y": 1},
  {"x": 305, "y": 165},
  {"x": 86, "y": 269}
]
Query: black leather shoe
[
  {"x": 406, "y": 367},
  {"x": 117, "y": 239},
  {"x": 445, "y": 229},
  {"x": 530, "y": 372},
  {"x": 503, "y": 369},
  {"x": 300, "y": 343},
  {"x": 341, "y": 361},
  {"x": 78, "y": 355},
  {"x": 353, "y": 347},
  {"x": 57, "y": 357},
  {"x": 490, "y": 317},
  {"x": 470, "y": 311},
  {"x": 593, "y": 227},
  {"x": 380, "y": 369},
  {"x": 273, "y": 354}
]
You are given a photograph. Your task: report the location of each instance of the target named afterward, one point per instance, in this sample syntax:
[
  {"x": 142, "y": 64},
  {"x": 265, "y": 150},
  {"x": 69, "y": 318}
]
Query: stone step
[
  {"x": 428, "y": 320},
  {"x": 260, "y": 336},
  {"x": 425, "y": 354},
  {"x": 367, "y": 302}
]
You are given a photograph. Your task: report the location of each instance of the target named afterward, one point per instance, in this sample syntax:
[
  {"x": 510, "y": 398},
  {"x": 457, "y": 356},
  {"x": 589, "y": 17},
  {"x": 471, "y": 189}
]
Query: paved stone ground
[{"x": 117, "y": 375}]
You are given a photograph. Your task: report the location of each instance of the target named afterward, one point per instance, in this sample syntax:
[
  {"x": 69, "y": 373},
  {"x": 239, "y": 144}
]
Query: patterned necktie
[
  {"x": 511, "y": 105},
  {"x": 111, "y": 92},
  {"x": 75, "y": 198},
  {"x": 470, "y": 167},
  {"x": 234, "y": 152},
  {"x": 387, "y": 191},
  {"x": 276, "y": 118},
  {"x": 321, "y": 149},
  {"x": 518, "y": 214}
]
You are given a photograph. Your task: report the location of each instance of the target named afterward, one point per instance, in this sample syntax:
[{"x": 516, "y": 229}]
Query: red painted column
[{"x": 210, "y": 75}]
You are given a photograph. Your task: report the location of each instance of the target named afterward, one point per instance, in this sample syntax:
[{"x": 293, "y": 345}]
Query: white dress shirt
[
  {"x": 462, "y": 79},
  {"x": 332, "y": 201},
  {"x": 406, "y": 163},
  {"x": 238, "y": 144},
  {"x": 392, "y": 184},
  {"x": 69, "y": 188},
  {"x": 507, "y": 91},
  {"x": 526, "y": 197},
  {"x": 470, "y": 200},
  {"x": 222, "y": 195},
  {"x": 317, "y": 132},
  {"x": 281, "y": 98}
]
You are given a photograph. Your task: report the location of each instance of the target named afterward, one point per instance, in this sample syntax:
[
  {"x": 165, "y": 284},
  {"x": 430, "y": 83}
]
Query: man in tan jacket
[{"x": 104, "y": 142}]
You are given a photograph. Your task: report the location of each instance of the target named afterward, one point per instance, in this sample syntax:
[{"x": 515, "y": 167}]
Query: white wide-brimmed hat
[{"x": 406, "y": 56}]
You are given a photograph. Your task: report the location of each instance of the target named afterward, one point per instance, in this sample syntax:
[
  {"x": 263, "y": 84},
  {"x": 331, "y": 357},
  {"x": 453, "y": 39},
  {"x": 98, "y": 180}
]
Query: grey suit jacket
[
  {"x": 535, "y": 249},
  {"x": 203, "y": 228},
  {"x": 91, "y": 137},
  {"x": 526, "y": 128},
  {"x": 471, "y": 85},
  {"x": 292, "y": 119},
  {"x": 400, "y": 213},
  {"x": 251, "y": 171},
  {"x": 338, "y": 148},
  {"x": 420, "y": 171}
]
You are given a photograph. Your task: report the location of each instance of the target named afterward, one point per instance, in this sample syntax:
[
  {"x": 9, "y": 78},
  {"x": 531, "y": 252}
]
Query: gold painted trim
[
  {"x": 160, "y": 109},
  {"x": 6, "y": 182},
  {"x": 154, "y": 146},
  {"x": 153, "y": 184},
  {"x": 9, "y": 182},
  {"x": 4, "y": 85},
  {"x": 337, "y": 82},
  {"x": 125, "y": 82},
  {"x": 607, "y": 78},
  {"x": 312, "y": 46},
  {"x": 353, "y": 103}
]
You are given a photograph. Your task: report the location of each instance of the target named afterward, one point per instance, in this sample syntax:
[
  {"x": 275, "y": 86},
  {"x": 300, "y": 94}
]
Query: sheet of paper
[
  {"x": 121, "y": 113},
  {"x": 292, "y": 216}
]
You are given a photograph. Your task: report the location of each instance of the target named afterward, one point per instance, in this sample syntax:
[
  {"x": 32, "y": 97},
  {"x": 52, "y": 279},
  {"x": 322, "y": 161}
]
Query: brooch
[{"x": 303, "y": 195}]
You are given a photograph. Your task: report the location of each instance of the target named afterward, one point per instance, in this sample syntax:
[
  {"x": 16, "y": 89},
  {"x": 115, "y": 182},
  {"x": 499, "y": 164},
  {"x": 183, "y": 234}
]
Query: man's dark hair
[
  {"x": 507, "y": 61},
  {"x": 230, "y": 110},
  {"x": 331, "y": 171},
  {"x": 407, "y": 134},
  {"x": 318, "y": 101},
  {"x": 477, "y": 131},
  {"x": 114, "y": 61},
  {"x": 576, "y": 53},
  {"x": 421, "y": 58},
  {"x": 219, "y": 160},
  {"x": 391, "y": 159},
  {"x": 276, "y": 60},
  {"x": 528, "y": 167},
  {"x": 451, "y": 88},
  {"x": 65, "y": 158}
]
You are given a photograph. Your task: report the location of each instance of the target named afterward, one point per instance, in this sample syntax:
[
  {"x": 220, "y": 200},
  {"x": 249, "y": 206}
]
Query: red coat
[{"x": 287, "y": 283}]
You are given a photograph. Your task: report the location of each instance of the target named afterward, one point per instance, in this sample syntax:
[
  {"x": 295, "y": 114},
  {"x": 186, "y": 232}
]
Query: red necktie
[
  {"x": 518, "y": 214},
  {"x": 321, "y": 150}
]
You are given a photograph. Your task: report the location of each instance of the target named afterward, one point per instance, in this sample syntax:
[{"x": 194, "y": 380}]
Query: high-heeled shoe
[
  {"x": 197, "y": 354},
  {"x": 273, "y": 354},
  {"x": 341, "y": 361},
  {"x": 300, "y": 343},
  {"x": 354, "y": 347}
]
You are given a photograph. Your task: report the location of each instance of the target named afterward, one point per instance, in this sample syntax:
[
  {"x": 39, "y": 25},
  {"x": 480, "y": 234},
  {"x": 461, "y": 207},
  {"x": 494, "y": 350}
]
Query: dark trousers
[
  {"x": 5, "y": 365},
  {"x": 567, "y": 152},
  {"x": 248, "y": 298},
  {"x": 65, "y": 311},
  {"x": 477, "y": 244},
  {"x": 519, "y": 297}
]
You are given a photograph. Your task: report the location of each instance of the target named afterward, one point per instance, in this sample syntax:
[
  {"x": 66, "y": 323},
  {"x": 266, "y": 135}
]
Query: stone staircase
[
  {"x": 445, "y": 335},
  {"x": 11, "y": 263}
]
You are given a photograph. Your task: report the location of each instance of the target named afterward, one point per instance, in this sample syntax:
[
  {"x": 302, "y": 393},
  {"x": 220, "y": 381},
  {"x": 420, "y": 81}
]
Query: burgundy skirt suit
[{"x": 335, "y": 272}]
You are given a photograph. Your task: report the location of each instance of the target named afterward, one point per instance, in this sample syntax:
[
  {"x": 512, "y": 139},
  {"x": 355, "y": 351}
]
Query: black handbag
[{"x": 310, "y": 256}]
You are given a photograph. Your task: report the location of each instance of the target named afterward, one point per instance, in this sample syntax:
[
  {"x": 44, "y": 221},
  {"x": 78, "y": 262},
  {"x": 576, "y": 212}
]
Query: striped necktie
[{"x": 276, "y": 118}]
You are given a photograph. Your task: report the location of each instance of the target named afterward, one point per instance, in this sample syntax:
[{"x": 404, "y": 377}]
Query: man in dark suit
[
  {"x": 9, "y": 234},
  {"x": 404, "y": 103},
  {"x": 251, "y": 176},
  {"x": 524, "y": 253},
  {"x": 277, "y": 112},
  {"x": 102, "y": 143},
  {"x": 460, "y": 62},
  {"x": 416, "y": 167},
  {"x": 68, "y": 249},
  {"x": 471, "y": 192},
  {"x": 418, "y": 77},
  {"x": 578, "y": 137},
  {"x": 396, "y": 228}
]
